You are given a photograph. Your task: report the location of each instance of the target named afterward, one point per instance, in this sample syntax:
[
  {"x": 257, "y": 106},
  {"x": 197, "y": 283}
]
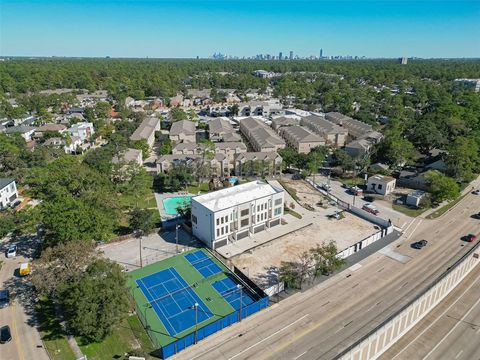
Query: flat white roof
[{"x": 236, "y": 195}]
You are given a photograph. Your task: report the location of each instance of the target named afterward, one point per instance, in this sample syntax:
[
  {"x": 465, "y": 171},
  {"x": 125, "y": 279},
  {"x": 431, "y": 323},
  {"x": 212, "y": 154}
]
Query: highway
[
  {"x": 321, "y": 322},
  {"x": 450, "y": 331}
]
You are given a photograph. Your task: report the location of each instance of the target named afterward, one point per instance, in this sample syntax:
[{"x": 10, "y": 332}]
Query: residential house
[
  {"x": 83, "y": 130},
  {"x": 412, "y": 179},
  {"x": 8, "y": 192},
  {"x": 218, "y": 166},
  {"x": 300, "y": 139},
  {"x": 176, "y": 100},
  {"x": 183, "y": 131},
  {"x": 358, "y": 148},
  {"x": 146, "y": 130},
  {"x": 228, "y": 215},
  {"x": 25, "y": 132},
  {"x": 39, "y": 132},
  {"x": 221, "y": 129},
  {"x": 333, "y": 134},
  {"x": 258, "y": 164},
  {"x": 381, "y": 184},
  {"x": 261, "y": 137},
  {"x": 129, "y": 156}
]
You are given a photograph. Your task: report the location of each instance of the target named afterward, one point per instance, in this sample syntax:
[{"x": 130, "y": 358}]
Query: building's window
[
  {"x": 278, "y": 202},
  {"x": 223, "y": 229},
  {"x": 226, "y": 219},
  {"x": 258, "y": 207},
  {"x": 270, "y": 203},
  {"x": 218, "y": 232},
  {"x": 379, "y": 186},
  {"x": 258, "y": 218},
  {"x": 277, "y": 211},
  {"x": 194, "y": 219},
  {"x": 244, "y": 212},
  {"x": 244, "y": 222},
  {"x": 226, "y": 229},
  {"x": 218, "y": 221}
]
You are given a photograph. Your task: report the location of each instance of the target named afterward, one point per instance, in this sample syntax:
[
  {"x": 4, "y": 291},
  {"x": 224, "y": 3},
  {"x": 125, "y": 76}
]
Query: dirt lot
[
  {"x": 260, "y": 263},
  {"x": 306, "y": 194}
]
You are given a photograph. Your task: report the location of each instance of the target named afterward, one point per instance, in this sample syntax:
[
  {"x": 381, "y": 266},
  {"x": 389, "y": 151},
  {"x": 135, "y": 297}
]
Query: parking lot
[{"x": 154, "y": 247}]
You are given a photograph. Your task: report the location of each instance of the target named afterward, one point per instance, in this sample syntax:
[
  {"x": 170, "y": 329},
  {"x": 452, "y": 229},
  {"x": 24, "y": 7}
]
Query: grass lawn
[
  {"x": 445, "y": 208},
  {"x": 409, "y": 211},
  {"x": 51, "y": 332},
  {"x": 352, "y": 181},
  {"x": 128, "y": 336},
  {"x": 292, "y": 212},
  {"x": 142, "y": 202},
  {"x": 194, "y": 189}
]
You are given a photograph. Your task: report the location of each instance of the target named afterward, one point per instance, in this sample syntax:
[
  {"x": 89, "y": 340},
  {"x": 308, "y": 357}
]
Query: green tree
[
  {"x": 142, "y": 145},
  {"x": 441, "y": 186},
  {"x": 142, "y": 221},
  {"x": 325, "y": 260},
  {"x": 96, "y": 301},
  {"x": 463, "y": 158},
  {"x": 177, "y": 114}
]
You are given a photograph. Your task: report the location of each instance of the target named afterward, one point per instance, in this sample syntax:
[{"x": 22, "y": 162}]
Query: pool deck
[{"x": 163, "y": 212}]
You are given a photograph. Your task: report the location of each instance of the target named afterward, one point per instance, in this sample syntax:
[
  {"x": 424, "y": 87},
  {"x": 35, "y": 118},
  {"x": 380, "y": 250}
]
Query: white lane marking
[
  {"x": 437, "y": 319},
  {"x": 409, "y": 224},
  {"x": 268, "y": 337},
  {"x": 453, "y": 328},
  {"x": 299, "y": 356},
  {"x": 459, "y": 353},
  {"x": 414, "y": 229}
]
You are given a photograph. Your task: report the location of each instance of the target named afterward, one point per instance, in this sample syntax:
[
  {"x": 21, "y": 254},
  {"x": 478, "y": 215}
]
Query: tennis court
[
  {"x": 173, "y": 300},
  {"x": 204, "y": 265},
  {"x": 165, "y": 293},
  {"x": 230, "y": 291}
]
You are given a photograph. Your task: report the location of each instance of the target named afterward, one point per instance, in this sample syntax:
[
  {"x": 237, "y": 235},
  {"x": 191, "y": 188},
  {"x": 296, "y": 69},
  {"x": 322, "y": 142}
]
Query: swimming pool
[{"x": 171, "y": 204}]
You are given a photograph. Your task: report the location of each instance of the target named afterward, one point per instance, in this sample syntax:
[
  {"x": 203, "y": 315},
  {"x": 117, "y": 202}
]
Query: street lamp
[
  {"x": 176, "y": 237},
  {"x": 140, "y": 244},
  {"x": 239, "y": 287},
  {"x": 195, "y": 306}
]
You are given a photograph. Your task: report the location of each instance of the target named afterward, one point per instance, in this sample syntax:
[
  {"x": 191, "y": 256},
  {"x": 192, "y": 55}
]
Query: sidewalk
[{"x": 239, "y": 247}]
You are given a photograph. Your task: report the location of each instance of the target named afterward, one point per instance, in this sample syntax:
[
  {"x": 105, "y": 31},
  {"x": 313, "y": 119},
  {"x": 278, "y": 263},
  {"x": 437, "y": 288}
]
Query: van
[
  {"x": 370, "y": 208},
  {"x": 24, "y": 269}
]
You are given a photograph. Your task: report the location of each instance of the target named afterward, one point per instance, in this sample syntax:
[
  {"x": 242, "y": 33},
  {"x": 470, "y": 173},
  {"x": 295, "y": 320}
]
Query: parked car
[
  {"x": 5, "y": 334},
  {"x": 368, "y": 198},
  {"x": 355, "y": 190},
  {"x": 476, "y": 216},
  {"x": 325, "y": 187},
  {"x": 419, "y": 244},
  {"x": 12, "y": 251},
  {"x": 470, "y": 238},
  {"x": 4, "y": 298},
  {"x": 476, "y": 192},
  {"x": 371, "y": 209}
]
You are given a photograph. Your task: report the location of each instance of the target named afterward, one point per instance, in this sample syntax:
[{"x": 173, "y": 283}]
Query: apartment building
[
  {"x": 356, "y": 129},
  {"x": 300, "y": 139},
  {"x": 283, "y": 121},
  {"x": 218, "y": 166},
  {"x": 259, "y": 108},
  {"x": 229, "y": 215},
  {"x": 261, "y": 137},
  {"x": 220, "y": 130},
  {"x": 146, "y": 130},
  {"x": 183, "y": 131},
  {"x": 333, "y": 134},
  {"x": 258, "y": 164},
  {"x": 229, "y": 149}
]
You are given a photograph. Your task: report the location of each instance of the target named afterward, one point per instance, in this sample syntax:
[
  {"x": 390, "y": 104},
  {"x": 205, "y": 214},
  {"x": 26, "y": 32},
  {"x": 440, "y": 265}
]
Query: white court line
[
  {"x": 436, "y": 319},
  {"x": 268, "y": 337}
]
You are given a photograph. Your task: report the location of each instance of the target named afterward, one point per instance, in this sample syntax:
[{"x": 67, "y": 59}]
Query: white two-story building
[
  {"x": 228, "y": 215},
  {"x": 8, "y": 192}
]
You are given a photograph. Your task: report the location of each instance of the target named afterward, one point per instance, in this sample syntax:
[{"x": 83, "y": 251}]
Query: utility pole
[
  {"x": 241, "y": 303},
  {"x": 140, "y": 242},
  {"x": 196, "y": 322},
  {"x": 176, "y": 238}
]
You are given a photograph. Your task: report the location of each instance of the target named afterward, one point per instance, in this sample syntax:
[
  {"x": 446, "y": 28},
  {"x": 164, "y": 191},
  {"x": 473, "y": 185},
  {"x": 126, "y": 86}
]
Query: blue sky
[{"x": 151, "y": 28}]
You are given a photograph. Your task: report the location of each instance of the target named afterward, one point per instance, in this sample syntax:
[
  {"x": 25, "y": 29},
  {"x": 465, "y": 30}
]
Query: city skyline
[{"x": 187, "y": 29}]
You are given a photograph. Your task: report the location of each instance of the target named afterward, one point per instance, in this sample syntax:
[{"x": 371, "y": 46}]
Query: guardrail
[{"x": 383, "y": 336}]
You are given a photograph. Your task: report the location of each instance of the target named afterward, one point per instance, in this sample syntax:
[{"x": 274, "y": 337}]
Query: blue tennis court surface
[
  {"x": 230, "y": 292},
  {"x": 173, "y": 300},
  {"x": 204, "y": 265}
]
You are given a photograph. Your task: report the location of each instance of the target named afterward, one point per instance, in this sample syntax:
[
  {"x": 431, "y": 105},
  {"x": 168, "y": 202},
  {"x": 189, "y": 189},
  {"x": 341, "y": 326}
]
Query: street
[
  {"x": 26, "y": 343},
  {"x": 321, "y": 322}
]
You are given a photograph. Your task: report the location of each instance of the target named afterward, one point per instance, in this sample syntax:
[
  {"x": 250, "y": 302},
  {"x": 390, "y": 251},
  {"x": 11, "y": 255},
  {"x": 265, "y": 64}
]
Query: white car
[{"x": 12, "y": 251}]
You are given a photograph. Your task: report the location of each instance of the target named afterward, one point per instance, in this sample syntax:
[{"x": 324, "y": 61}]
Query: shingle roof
[
  {"x": 322, "y": 126},
  {"x": 4, "y": 182},
  {"x": 183, "y": 127},
  {"x": 300, "y": 134},
  {"x": 145, "y": 129}
]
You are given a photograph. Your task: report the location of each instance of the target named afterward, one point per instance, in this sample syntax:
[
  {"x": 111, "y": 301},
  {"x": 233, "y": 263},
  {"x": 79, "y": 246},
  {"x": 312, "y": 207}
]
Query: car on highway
[
  {"x": 5, "y": 334},
  {"x": 476, "y": 192},
  {"x": 12, "y": 251},
  {"x": 371, "y": 209},
  {"x": 470, "y": 238},
  {"x": 4, "y": 298},
  {"x": 419, "y": 244}
]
